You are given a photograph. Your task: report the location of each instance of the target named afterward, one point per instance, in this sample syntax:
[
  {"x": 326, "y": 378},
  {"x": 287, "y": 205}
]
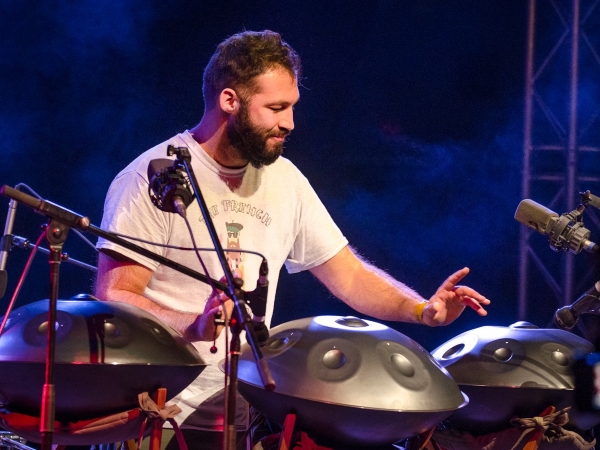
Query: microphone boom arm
[
  {"x": 82, "y": 223},
  {"x": 21, "y": 242}
]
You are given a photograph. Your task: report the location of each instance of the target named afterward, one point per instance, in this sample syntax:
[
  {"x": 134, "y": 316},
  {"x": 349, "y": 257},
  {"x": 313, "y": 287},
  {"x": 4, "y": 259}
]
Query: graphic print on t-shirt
[{"x": 234, "y": 259}]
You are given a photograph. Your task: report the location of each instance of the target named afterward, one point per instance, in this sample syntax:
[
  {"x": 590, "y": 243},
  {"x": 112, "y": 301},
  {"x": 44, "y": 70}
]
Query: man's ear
[{"x": 229, "y": 101}]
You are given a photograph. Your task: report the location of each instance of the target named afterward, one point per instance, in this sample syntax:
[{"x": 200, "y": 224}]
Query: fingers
[
  {"x": 217, "y": 312},
  {"x": 454, "y": 279},
  {"x": 467, "y": 296},
  {"x": 467, "y": 292},
  {"x": 223, "y": 307},
  {"x": 220, "y": 307},
  {"x": 214, "y": 319},
  {"x": 216, "y": 298},
  {"x": 450, "y": 300},
  {"x": 475, "y": 305},
  {"x": 228, "y": 304},
  {"x": 212, "y": 303},
  {"x": 214, "y": 313},
  {"x": 472, "y": 299},
  {"x": 226, "y": 309}
]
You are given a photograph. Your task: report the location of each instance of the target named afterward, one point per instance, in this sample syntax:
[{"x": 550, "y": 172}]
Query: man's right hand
[{"x": 204, "y": 327}]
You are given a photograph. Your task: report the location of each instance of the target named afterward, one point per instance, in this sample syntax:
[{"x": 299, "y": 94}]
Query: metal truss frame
[{"x": 556, "y": 141}]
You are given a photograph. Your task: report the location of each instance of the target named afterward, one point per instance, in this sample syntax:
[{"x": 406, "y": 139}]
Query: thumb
[{"x": 434, "y": 314}]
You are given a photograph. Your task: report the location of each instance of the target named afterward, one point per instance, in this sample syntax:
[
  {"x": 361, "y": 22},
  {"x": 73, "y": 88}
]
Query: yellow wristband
[{"x": 419, "y": 311}]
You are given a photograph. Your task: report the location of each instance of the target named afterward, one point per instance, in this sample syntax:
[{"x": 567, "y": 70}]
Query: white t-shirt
[{"x": 273, "y": 211}]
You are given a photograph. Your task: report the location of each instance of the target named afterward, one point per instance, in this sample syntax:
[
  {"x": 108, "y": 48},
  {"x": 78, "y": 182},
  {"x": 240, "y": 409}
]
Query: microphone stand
[
  {"x": 61, "y": 220},
  {"x": 242, "y": 318},
  {"x": 5, "y": 244},
  {"x": 56, "y": 234}
]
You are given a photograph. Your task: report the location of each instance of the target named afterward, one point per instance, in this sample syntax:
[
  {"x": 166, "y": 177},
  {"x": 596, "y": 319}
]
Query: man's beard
[{"x": 251, "y": 141}]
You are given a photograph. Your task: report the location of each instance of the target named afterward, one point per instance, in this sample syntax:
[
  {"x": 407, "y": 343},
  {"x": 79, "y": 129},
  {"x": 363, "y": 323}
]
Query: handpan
[
  {"x": 106, "y": 353},
  {"x": 350, "y": 380},
  {"x": 514, "y": 371}
]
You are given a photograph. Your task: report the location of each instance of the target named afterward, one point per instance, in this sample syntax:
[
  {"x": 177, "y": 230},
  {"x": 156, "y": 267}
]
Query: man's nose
[{"x": 287, "y": 120}]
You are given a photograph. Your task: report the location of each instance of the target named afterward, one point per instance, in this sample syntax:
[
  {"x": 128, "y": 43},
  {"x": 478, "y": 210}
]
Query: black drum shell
[
  {"x": 514, "y": 371},
  {"x": 350, "y": 380},
  {"x": 106, "y": 353}
]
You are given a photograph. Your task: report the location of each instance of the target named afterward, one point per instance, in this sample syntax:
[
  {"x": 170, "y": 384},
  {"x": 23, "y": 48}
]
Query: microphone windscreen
[
  {"x": 168, "y": 188},
  {"x": 534, "y": 215},
  {"x": 157, "y": 165},
  {"x": 565, "y": 318}
]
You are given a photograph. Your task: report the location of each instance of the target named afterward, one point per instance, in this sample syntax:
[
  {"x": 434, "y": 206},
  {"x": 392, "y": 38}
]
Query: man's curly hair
[{"x": 239, "y": 59}]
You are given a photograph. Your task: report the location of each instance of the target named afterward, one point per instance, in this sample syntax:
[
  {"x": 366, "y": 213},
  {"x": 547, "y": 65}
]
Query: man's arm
[
  {"x": 123, "y": 280},
  {"x": 371, "y": 291}
]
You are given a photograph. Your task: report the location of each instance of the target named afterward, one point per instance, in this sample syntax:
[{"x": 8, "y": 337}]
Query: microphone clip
[
  {"x": 257, "y": 299},
  {"x": 589, "y": 303},
  {"x": 568, "y": 232},
  {"x": 168, "y": 185}
]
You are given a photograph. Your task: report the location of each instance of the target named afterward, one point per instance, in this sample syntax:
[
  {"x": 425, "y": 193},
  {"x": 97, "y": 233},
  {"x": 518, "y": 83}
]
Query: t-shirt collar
[{"x": 203, "y": 157}]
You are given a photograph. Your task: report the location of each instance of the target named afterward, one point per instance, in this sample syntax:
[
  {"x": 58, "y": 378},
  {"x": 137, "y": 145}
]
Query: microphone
[
  {"x": 168, "y": 187},
  {"x": 565, "y": 232},
  {"x": 6, "y": 244},
  {"x": 257, "y": 300},
  {"x": 567, "y": 316}
]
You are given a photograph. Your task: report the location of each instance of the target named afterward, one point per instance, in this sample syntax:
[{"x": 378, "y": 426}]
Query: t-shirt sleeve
[
  {"x": 129, "y": 211},
  {"x": 318, "y": 238}
]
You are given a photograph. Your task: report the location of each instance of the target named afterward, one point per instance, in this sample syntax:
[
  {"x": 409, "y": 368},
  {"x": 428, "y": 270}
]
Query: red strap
[
  {"x": 178, "y": 435},
  {"x": 285, "y": 437},
  {"x": 141, "y": 435}
]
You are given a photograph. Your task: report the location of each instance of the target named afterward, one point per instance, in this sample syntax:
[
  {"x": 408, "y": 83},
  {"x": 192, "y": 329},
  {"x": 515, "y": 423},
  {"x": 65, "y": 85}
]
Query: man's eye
[{"x": 276, "y": 108}]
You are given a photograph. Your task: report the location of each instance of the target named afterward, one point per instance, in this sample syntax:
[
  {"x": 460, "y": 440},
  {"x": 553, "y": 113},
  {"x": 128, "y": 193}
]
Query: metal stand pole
[{"x": 56, "y": 233}]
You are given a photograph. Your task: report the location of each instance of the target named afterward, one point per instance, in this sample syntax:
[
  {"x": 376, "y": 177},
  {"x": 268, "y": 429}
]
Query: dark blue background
[{"x": 409, "y": 126}]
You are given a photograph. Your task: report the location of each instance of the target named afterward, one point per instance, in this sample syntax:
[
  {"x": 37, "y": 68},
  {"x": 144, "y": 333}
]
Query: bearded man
[{"x": 250, "y": 87}]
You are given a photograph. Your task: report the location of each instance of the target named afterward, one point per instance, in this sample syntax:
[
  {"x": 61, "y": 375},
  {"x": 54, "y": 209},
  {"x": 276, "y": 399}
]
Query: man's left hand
[{"x": 450, "y": 300}]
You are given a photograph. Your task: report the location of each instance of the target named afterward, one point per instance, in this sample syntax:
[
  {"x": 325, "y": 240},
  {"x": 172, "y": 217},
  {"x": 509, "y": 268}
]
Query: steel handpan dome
[
  {"x": 513, "y": 371},
  {"x": 106, "y": 353},
  {"x": 350, "y": 380}
]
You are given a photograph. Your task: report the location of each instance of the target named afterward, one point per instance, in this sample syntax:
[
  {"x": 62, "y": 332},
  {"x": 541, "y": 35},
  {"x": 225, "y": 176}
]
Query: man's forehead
[{"x": 276, "y": 80}]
